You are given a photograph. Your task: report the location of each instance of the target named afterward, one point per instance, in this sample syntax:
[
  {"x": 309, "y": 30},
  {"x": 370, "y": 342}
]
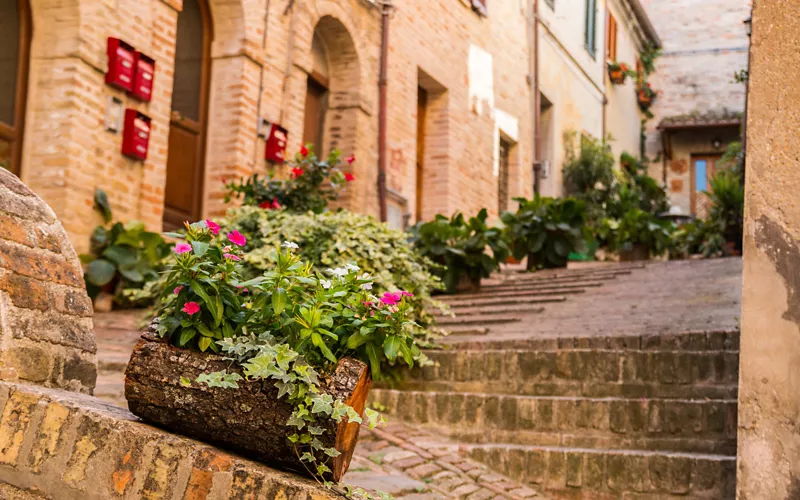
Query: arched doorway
[
  {"x": 183, "y": 193},
  {"x": 317, "y": 89},
  {"x": 15, "y": 27}
]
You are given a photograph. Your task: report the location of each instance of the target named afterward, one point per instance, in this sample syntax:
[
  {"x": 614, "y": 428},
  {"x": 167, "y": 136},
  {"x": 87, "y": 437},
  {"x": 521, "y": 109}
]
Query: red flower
[
  {"x": 297, "y": 172},
  {"x": 191, "y": 308},
  {"x": 237, "y": 238},
  {"x": 266, "y": 205},
  {"x": 349, "y": 177},
  {"x": 351, "y": 159},
  {"x": 304, "y": 150},
  {"x": 275, "y": 204}
]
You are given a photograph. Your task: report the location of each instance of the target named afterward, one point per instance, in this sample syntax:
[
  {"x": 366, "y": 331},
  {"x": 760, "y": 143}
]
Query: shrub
[
  {"x": 122, "y": 257},
  {"x": 334, "y": 239},
  {"x": 287, "y": 327},
  {"x": 589, "y": 173},
  {"x": 697, "y": 238},
  {"x": 727, "y": 205},
  {"x": 637, "y": 227},
  {"x": 460, "y": 248},
  {"x": 312, "y": 183},
  {"x": 546, "y": 230},
  {"x": 648, "y": 194}
]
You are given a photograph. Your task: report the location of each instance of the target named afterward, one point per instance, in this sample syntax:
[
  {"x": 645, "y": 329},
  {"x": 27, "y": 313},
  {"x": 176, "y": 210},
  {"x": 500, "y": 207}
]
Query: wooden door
[
  {"x": 502, "y": 176},
  {"x": 422, "y": 111},
  {"x": 15, "y": 26},
  {"x": 183, "y": 195},
  {"x": 315, "y": 111},
  {"x": 703, "y": 169}
]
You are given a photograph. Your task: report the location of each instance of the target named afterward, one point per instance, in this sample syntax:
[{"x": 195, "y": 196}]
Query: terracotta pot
[
  {"x": 636, "y": 253},
  {"x": 617, "y": 76},
  {"x": 645, "y": 100},
  {"x": 511, "y": 260}
]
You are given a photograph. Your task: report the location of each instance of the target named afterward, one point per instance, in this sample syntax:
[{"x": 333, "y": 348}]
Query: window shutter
[
  {"x": 591, "y": 28},
  {"x": 611, "y": 38},
  {"x": 480, "y": 6}
]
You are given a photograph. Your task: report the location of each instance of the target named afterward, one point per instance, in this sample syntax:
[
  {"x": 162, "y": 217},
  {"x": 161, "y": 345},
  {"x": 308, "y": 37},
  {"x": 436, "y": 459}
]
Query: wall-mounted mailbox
[
  {"x": 143, "y": 74},
  {"x": 275, "y": 149},
  {"x": 120, "y": 64},
  {"x": 135, "y": 134}
]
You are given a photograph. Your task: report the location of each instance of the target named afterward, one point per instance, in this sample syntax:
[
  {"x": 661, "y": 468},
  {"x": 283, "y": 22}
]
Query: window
[
  {"x": 551, "y": 3},
  {"x": 479, "y": 6},
  {"x": 590, "y": 38},
  {"x": 502, "y": 177},
  {"x": 611, "y": 38}
]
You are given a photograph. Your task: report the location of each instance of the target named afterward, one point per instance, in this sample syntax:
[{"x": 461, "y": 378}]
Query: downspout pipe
[
  {"x": 537, "y": 104},
  {"x": 386, "y": 10}
]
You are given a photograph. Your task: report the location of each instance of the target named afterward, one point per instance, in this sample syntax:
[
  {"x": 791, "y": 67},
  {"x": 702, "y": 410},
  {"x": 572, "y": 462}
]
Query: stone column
[{"x": 769, "y": 390}]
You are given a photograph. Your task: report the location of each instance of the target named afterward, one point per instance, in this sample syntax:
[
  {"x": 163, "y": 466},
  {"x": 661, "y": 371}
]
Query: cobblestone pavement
[{"x": 659, "y": 298}]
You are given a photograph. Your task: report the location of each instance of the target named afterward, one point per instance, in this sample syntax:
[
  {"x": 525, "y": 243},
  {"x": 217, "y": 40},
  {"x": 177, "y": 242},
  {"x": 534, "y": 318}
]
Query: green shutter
[{"x": 590, "y": 35}]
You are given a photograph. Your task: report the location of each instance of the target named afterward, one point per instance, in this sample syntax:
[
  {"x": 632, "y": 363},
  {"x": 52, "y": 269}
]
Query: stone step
[
  {"x": 467, "y": 330},
  {"x": 465, "y": 312},
  {"x": 700, "y": 426},
  {"x": 567, "y": 274},
  {"x": 534, "y": 298},
  {"x": 599, "y": 474},
  {"x": 591, "y": 372},
  {"x": 482, "y": 319},
  {"x": 510, "y": 294},
  {"x": 545, "y": 286}
]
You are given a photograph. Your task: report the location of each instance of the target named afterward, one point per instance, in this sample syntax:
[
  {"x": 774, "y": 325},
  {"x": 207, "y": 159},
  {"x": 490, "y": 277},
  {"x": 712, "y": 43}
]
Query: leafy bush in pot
[
  {"x": 638, "y": 228},
  {"x": 546, "y": 230},
  {"x": 460, "y": 247},
  {"x": 727, "y": 205},
  {"x": 334, "y": 239},
  {"x": 697, "y": 238},
  {"x": 122, "y": 256},
  {"x": 589, "y": 173},
  {"x": 312, "y": 184}
]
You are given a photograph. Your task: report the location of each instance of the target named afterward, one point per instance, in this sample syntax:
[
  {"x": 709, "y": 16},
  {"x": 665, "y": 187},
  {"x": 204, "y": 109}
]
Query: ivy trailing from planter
[
  {"x": 460, "y": 248},
  {"x": 546, "y": 230}
]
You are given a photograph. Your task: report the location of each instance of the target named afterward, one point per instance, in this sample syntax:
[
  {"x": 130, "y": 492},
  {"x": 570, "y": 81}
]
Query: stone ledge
[{"x": 57, "y": 444}]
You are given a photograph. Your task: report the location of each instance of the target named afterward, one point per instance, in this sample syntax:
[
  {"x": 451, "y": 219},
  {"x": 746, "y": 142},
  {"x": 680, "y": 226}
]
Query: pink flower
[
  {"x": 223, "y": 180},
  {"x": 266, "y": 204},
  {"x": 304, "y": 150},
  {"x": 405, "y": 294},
  {"x": 213, "y": 226},
  {"x": 243, "y": 290},
  {"x": 275, "y": 204},
  {"x": 237, "y": 238},
  {"x": 191, "y": 308},
  {"x": 391, "y": 299},
  {"x": 182, "y": 248},
  {"x": 297, "y": 172},
  {"x": 367, "y": 303},
  {"x": 349, "y": 177},
  {"x": 351, "y": 159},
  {"x": 232, "y": 257},
  {"x": 177, "y": 289}
]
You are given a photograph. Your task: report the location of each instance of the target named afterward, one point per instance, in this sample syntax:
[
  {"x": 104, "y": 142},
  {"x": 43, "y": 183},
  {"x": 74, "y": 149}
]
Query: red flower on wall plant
[
  {"x": 349, "y": 177},
  {"x": 304, "y": 150},
  {"x": 351, "y": 159},
  {"x": 267, "y": 205},
  {"x": 297, "y": 172}
]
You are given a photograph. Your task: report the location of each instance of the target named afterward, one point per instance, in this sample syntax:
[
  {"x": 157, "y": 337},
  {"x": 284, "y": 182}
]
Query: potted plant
[
  {"x": 637, "y": 235},
  {"x": 460, "y": 249},
  {"x": 277, "y": 367},
  {"x": 546, "y": 230},
  {"x": 617, "y": 72},
  {"x": 645, "y": 95}
]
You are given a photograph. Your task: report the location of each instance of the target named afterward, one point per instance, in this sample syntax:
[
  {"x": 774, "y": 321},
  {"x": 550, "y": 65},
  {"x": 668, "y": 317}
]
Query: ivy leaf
[
  {"x": 332, "y": 452},
  {"x": 185, "y": 382},
  {"x": 307, "y": 457},
  {"x": 220, "y": 379},
  {"x": 322, "y": 469},
  {"x": 315, "y": 430},
  {"x": 284, "y": 388},
  {"x": 373, "y": 417},
  {"x": 353, "y": 416},
  {"x": 323, "y": 404}
]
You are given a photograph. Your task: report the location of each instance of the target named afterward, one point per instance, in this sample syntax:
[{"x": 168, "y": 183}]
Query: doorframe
[
  {"x": 15, "y": 134},
  {"x": 715, "y": 157},
  {"x": 202, "y": 122},
  {"x": 423, "y": 98}
]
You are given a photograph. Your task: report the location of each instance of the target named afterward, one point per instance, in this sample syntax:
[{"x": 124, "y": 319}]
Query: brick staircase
[{"x": 589, "y": 418}]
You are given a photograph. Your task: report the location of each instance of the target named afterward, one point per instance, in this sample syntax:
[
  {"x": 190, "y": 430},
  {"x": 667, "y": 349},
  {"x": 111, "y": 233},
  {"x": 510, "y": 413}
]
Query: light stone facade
[
  {"x": 474, "y": 68},
  {"x": 705, "y": 43}
]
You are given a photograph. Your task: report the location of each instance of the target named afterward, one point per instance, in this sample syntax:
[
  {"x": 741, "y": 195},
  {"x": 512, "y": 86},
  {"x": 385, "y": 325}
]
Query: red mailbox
[
  {"x": 144, "y": 71},
  {"x": 276, "y": 144},
  {"x": 135, "y": 134},
  {"x": 120, "y": 64}
]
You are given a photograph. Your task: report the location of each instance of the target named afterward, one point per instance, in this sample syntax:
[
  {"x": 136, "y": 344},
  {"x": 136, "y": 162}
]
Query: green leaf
[
  {"x": 204, "y": 343},
  {"x": 187, "y": 334},
  {"x": 131, "y": 274},
  {"x": 391, "y": 346},
  {"x": 121, "y": 255},
  {"x": 100, "y": 272},
  {"x": 200, "y": 248},
  {"x": 220, "y": 379},
  {"x": 279, "y": 299},
  {"x": 185, "y": 382},
  {"x": 102, "y": 204},
  {"x": 374, "y": 361}
]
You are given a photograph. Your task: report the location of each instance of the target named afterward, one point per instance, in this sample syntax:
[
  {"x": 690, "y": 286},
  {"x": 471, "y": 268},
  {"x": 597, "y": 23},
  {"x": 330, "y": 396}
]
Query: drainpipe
[
  {"x": 537, "y": 104},
  {"x": 386, "y": 10}
]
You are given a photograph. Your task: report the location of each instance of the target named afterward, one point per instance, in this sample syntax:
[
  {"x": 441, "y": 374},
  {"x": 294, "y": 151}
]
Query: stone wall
[
  {"x": 45, "y": 315},
  {"x": 769, "y": 444}
]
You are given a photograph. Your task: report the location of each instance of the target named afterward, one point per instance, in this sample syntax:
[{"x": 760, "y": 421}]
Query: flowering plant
[
  {"x": 287, "y": 327},
  {"x": 311, "y": 184}
]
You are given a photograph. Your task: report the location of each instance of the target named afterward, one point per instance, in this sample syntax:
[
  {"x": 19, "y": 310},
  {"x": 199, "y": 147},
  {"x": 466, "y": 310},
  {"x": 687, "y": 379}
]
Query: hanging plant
[
  {"x": 645, "y": 95},
  {"x": 618, "y": 72}
]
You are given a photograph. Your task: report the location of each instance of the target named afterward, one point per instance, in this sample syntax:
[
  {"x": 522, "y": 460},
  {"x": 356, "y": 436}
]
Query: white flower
[
  {"x": 326, "y": 283},
  {"x": 366, "y": 286},
  {"x": 290, "y": 244},
  {"x": 339, "y": 271},
  {"x": 352, "y": 267}
]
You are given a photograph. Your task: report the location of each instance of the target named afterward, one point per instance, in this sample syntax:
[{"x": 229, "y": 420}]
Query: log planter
[
  {"x": 249, "y": 420},
  {"x": 617, "y": 76},
  {"x": 645, "y": 99}
]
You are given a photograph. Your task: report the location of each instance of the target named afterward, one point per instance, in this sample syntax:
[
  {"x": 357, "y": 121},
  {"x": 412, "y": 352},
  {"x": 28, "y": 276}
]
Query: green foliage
[
  {"x": 589, "y": 173},
  {"x": 333, "y": 239},
  {"x": 288, "y": 327},
  {"x": 636, "y": 189},
  {"x": 637, "y": 227},
  {"x": 312, "y": 182},
  {"x": 698, "y": 238},
  {"x": 727, "y": 204},
  {"x": 546, "y": 230},
  {"x": 733, "y": 159},
  {"x": 121, "y": 257},
  {"x": 460, "y": 247}
]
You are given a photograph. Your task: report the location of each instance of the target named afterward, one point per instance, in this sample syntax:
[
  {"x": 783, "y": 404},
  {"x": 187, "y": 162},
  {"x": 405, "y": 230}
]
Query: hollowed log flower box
[
  {"x": 250, "y": 420},
  {"x": 645, "y": 98},
  {"x": 617, "y": 76}
]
